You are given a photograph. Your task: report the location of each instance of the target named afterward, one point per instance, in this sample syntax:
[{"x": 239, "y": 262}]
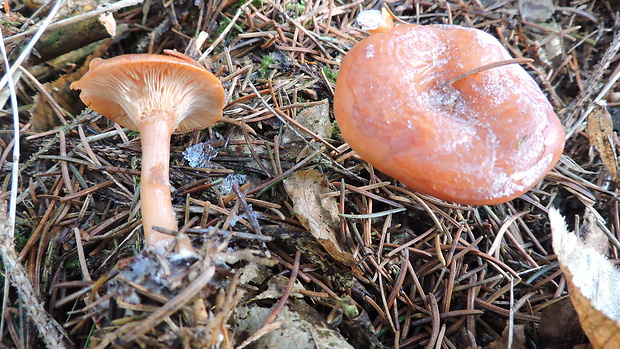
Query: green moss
[
  {"x": 9, "y": 23},
  {"x": 330, "y": 74},
  {"x": 20, "y": 241},
  {"x": 220, "y": 127},
  {"x": 336, "y": 129},
  {"x": 265, "y": 65},
  {"x": 239, "y": 27},
  {"x": 296, "y": 8},
  {"x": 73, "y": 264}
]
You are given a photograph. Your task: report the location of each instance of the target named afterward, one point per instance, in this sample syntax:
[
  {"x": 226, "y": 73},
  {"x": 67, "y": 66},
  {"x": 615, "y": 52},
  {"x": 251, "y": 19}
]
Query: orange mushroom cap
[
  {"x": 483, "y": 139},
  {"x": 127, "y": 88},
  {"x": 156, "y": 95}
]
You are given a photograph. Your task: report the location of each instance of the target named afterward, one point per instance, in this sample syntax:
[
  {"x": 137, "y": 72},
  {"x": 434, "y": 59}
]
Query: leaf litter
[{"x": 394, "y": 268}]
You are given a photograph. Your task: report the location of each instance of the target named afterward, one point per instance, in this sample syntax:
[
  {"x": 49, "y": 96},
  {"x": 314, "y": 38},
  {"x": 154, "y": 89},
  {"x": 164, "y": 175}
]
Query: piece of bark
[
  {"x": 73, "y": 36},
  {"x": 49, "y": 70}
]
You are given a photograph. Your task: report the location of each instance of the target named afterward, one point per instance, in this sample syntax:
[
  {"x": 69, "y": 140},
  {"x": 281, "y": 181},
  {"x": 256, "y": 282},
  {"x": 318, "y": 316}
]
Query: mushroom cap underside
[
  {"x": 484, "y": 139},
  {"x": 129, "y": 89}
]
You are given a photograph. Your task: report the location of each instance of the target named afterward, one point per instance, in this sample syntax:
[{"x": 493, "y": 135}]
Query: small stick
[
  {"x": 172, "y": 305},
  {"x": 51, "y": 331},
  {"x": 435, "y": 324},
  {"x": 67, "y": 21},
  {"x": 485, "y": 67},
  {"x": 86, "y": 191},
  {"x": 287, "y": 291},
  {"x": 248, "y": 210},
  {"x": 223, "y": 34}
]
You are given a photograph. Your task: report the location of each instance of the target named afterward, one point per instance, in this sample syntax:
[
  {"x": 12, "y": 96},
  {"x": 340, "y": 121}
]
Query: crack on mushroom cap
[{"x": 129, "y": 88}]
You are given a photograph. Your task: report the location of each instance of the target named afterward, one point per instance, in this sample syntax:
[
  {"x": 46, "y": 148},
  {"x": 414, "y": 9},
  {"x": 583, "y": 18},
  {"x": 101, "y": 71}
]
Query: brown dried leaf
[
  {"x": 315, "y": 118},
  {"x": 559, "y": 326},
  {"x": 536, "y": 10},
  {"x": 600, "y": 130},
  {"x": 593, "y": 284},
  {"x": 43, "y": 116},
  {"x": 592, "y": 235},
  {"x": 298, "y": 326},
  {"x": 316, "y": 214},
  {"x": 518, "y": 339}
]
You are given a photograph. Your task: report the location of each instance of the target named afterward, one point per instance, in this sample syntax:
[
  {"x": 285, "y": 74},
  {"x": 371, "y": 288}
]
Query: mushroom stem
[
  {"x": 157, "y": 95},
  {"x": 155, "y": 184}
]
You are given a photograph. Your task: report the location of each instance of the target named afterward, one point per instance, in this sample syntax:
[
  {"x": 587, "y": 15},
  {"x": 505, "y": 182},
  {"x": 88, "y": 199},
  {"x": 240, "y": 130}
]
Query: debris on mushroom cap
[
  {"x": 484, "y": 139},
  {"x": 375, "y": 21},
  {"x": 128, "y": 87}
]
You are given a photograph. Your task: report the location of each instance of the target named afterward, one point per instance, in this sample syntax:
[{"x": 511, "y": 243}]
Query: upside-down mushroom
[
  {"x": 406, "y": 104},
  {"x": 156, "y": 95}
]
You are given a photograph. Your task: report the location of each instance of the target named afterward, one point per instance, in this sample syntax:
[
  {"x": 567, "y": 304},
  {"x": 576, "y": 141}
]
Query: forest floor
[{"x": 300, "y": 243}]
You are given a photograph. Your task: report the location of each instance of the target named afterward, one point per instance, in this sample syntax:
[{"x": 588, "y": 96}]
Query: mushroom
[
  {"x": 156, "y": 95},
  {"x": 406, "y": 104}
]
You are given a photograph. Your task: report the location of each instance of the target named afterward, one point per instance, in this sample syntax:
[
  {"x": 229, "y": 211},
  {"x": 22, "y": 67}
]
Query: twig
[
  {"x": 577, "y": 105},
  {"x": 485, "y": 67},
  {"x": 74, "y": 19},
  {"x": 171, "y": 306},
  {"x": 511, "y": 316},
  {"x": 10, "y": 70},
  {"x": 261, "y": 332},
  {"x": 500, "y": 234},
  {"x": 223, "y": 34},
  {"x": 436, "y": 316},
  {"x": 287, "y": 291},
  {"x": 51, "y": 332},
  {"x": 248, "y": 210},
  {"x": 52, "y": 102},
  {"x": 285, "y": 174},
  {"x": 14, "y": 178},
  {"x": 287, "y": 120}
]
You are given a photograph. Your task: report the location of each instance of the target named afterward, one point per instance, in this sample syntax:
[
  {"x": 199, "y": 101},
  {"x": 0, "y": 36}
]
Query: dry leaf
[
  {"x": 43, "y": 116},
  {"x": 300, "y": 327},
  {"x": 546, "y": 44},
  {"x": 276, "y": 286},
  {"x": 315, "y": 118},
  {"x": 317, "y": 215},
  {"x": 559, "y": 326},
  {"x": 536, "y": 10},
  {"x": 593, "y": 284},
  {"x": 592, "y": 235},
  {"x": 516, "y": 342},
  {"x": 600, "y": 131}
]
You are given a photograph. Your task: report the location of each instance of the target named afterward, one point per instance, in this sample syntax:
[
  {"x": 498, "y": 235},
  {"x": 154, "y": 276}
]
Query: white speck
[
  {"x": 200, "y": 155},
  {"x": 245, "y": 215},
  {"x": 132, "y": 298},
  {"x": 183, "y": 254},
  {"x": 370, "y": 19},
  {"x": 227, "y": 186},
  {"x": 370, "y": 51}
]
